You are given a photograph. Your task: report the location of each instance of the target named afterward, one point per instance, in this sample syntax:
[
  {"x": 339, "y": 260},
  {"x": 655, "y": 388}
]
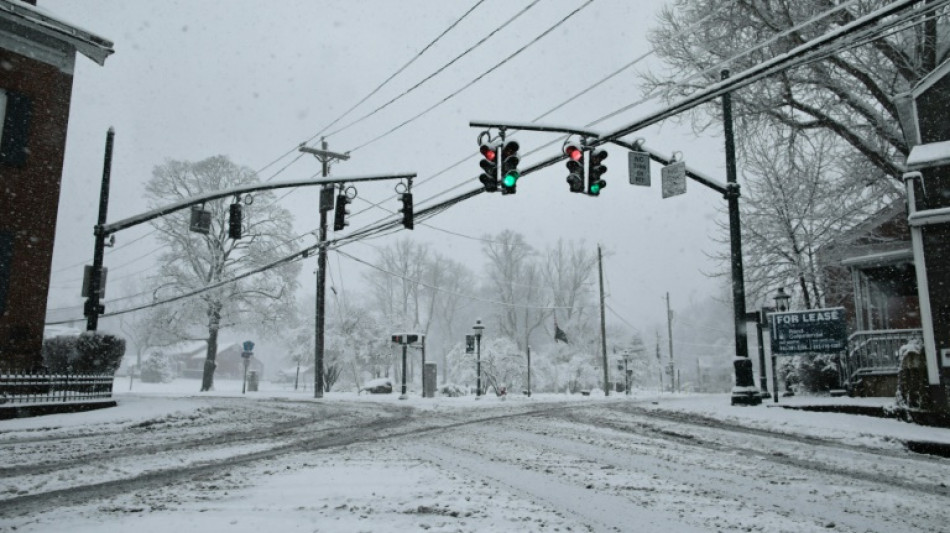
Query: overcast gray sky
[{"x": 252, "y": 80}]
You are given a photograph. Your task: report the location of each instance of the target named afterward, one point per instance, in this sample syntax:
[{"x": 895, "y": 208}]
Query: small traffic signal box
[
  {"x": 234, "y": 221},
  {"x": 407, "y": 215},
  {"x": 340, "y": 212}
]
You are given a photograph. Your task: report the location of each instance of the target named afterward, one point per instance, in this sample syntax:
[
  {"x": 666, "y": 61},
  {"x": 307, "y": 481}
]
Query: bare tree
[
  {"x": 849, "y": 93},
  {"x": 448, "y": 282},
  {"x": 192, "y": 261},
  {"x": 396, "y": 286},
  {"x": 569, "y": 270},
  {"x": 800, "y": 194},
  {"x": 516, "y": 282}
]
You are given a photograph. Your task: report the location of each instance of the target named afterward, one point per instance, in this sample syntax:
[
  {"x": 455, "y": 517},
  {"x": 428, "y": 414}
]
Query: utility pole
[
  {"x": 326, "y": 204},
  {"x": 603, "y": 323},
  {"x": 669, "y": 330}
]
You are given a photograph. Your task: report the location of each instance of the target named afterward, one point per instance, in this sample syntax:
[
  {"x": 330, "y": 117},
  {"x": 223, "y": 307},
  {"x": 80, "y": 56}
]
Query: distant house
[
  {"x": 189, "y": 360},
  {"x": 37, "y": 57}
]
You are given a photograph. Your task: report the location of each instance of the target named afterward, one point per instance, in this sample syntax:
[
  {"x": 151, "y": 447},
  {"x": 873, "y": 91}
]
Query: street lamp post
[
  {"x": 781, "y": 305},
  {"x": 478, "y": 328}
]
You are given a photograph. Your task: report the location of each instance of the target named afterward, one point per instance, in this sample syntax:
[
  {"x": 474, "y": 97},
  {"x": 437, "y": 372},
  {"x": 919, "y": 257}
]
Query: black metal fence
[{"x": 41, "y": 387}]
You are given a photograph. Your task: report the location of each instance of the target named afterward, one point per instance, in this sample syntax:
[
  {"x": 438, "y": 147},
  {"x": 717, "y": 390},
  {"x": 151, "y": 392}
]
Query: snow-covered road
[{"x": 240, "y": 464}]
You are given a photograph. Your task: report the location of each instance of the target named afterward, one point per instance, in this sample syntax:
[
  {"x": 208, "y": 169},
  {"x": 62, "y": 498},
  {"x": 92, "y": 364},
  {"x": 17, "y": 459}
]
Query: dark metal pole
[
  {"x": 478, "y": 365},
  {"x": 603, "y": 323},
  {"x": 528, "y": 352},
  {"x": 763, "y": 377},
  {"x": 423, "y": 366},
  {"x": 93, "y": 308},
  {"x": 774, "y": 378},
  {"x": 735, "y": 234},
  {"x": 745, "y": 380},
  {"x": 403, "y": 395}
]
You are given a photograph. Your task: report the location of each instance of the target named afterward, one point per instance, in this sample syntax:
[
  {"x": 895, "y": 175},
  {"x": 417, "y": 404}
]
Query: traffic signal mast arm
[{"x": 202, "y": 198}]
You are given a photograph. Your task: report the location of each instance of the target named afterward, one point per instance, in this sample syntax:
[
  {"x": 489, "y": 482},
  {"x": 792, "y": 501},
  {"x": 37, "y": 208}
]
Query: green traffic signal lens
[
  {"x": 595, "y": 188},
  {"x": 510, "y": 178}
]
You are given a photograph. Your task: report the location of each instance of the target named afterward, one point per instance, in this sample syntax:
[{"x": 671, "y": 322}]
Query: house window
[{"x": 15, "y": 114}]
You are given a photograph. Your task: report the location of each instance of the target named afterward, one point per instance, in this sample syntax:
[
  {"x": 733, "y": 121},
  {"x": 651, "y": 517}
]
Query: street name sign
[
  {"x": 815, "y": 330},
  {"x": 674, "y": 179},
  {"x": 639, "y": 168}
]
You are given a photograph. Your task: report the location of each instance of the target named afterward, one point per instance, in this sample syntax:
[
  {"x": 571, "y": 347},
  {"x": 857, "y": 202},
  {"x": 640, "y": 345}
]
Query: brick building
[{"x": 37, "y": 56}]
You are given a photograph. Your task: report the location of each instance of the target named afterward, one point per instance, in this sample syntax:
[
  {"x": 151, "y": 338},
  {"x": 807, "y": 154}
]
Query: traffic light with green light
[
  {"x": 595, "y": 181},
  {"x": 509, "y": 167},
  {"x": 489, "y": 164}
]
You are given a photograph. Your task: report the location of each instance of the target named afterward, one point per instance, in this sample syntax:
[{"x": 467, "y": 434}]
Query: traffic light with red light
[
  {"x": 509, "y": 167},
  {"x": 575, "y": 166},
  {"x": 489, "y": 164},
  {"x": 234, "y": 221},
  {"x": 595, "y": 181},
  {"x": 407, "y": 217},
  {"x": 340, "y": 212}
]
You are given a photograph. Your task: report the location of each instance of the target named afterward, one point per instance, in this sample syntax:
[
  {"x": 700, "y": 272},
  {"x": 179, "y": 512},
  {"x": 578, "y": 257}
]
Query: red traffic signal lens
[
  {"x": 573, "y": 152},
  {"x": 487, "y": 152}
]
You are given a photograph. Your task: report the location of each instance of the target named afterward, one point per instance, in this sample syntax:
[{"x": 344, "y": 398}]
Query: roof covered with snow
[
  {"x": 31, "y": 18},
  {"x": 929, "y": 155}
]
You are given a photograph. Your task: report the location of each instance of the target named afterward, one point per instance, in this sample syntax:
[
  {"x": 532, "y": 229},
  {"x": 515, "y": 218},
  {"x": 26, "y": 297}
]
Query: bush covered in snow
[
  {"x": 451, "y": 390},
  {"x": 59, "y": 353},
  {"x": 157, "y": 369},
  {"x": 88, "y": 353}
]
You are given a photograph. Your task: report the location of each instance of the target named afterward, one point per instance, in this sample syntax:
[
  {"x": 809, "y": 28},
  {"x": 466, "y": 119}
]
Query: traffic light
[
  {"x": 339, "y": 214},
  {"x": 407, "y": 221},
  {"x": 234, "y": 222},
  {"x": 489, "y": 164},
  {"x": 509, "y": 167},
  {"x": 575, "y": 166},
  {"x": 595, "y": 183}
]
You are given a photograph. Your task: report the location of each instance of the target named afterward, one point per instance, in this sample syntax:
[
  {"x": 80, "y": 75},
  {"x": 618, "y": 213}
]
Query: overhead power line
[
  {"x": 476, "y": 79},
  {"x": 436, "y": 72}
]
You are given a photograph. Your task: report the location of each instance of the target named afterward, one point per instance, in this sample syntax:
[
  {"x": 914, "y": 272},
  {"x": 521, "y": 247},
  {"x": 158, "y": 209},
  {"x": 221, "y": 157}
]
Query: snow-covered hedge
[{"x": 88, "y": 353}]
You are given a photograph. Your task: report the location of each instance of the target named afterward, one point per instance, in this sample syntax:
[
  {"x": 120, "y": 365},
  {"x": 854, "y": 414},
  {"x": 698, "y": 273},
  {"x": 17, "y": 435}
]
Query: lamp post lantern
[
  {"x": 781, "y": 300},
  {"x": 478, "y": 327}
]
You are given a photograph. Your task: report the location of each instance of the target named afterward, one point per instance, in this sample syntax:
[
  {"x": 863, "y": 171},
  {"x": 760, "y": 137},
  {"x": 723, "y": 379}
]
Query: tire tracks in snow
[
  {"x": 769, "y": 454},
  {"x": 376, "y": 430}
]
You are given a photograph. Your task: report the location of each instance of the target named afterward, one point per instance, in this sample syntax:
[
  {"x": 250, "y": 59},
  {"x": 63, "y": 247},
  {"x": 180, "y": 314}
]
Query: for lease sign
[{"x": 815, "y": 330}]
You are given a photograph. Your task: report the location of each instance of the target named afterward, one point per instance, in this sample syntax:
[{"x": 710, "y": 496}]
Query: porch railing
[
  {"x": 38, "y": 388},
  {"x": 877, "y": 351}
]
